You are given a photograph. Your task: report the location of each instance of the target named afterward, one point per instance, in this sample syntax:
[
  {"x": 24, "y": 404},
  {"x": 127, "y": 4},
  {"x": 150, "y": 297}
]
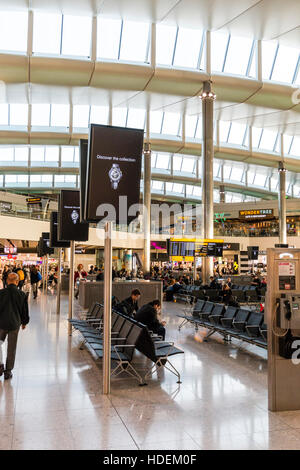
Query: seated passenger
[
  {"x": 226, "y": 294},
  {"x": 148, "y": 315},
  {"x": 213, "y": 283},
  {"x": 229, "y": 283},
  {"x": 129, "y": 306}
]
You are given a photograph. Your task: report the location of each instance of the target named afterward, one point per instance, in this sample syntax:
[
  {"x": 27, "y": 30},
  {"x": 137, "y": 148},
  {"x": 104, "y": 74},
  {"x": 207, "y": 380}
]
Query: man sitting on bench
[
  {"x": 148, "y": 315},
  {"x": 129, "y": 306}
]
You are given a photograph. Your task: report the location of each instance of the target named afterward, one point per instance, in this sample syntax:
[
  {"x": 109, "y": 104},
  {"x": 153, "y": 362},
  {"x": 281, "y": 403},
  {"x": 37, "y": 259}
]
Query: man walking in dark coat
[{"x": 13, "y": 314}]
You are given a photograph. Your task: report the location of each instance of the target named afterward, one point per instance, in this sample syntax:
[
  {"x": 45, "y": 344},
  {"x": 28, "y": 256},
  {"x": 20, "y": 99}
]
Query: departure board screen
[{"x": 182, "y": 248}]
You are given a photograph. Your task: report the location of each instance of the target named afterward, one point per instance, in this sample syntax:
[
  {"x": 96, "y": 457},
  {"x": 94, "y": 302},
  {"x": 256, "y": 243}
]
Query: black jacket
[
  {"x": 127, "y": 307},
  {"x": 13, "y": 308},
  {"x": 148, "y": 316}
]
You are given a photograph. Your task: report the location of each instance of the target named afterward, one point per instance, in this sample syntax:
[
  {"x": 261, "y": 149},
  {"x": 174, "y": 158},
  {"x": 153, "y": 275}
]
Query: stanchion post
[
  {"x": 107, "y": 307},
  {"x": 71, "y": 285},
  {"x": 46, "y": 273},
  {"x": 58, "y": 288}
]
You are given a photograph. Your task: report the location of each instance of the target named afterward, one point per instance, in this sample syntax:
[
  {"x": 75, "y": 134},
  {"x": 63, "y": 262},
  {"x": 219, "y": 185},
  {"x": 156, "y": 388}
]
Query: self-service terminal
[{"x": 282, "y": 311}]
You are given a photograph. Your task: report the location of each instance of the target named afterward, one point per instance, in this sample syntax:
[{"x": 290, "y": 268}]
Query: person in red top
[{"x": 79, "y": 274}]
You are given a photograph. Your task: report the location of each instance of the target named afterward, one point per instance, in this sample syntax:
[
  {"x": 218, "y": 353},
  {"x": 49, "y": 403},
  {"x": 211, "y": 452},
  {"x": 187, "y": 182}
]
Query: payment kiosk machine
[{"x": 282, "y": 314}]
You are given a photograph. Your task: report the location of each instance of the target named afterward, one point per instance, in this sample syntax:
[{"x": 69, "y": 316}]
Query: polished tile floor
[{"x": 54, "y": 400}]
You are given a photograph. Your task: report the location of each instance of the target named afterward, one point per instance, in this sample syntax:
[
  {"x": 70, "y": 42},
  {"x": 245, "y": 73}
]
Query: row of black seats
[
  {"x": 244, "y": 294},
  {"x": 126, "y": 335},
  {"x": 240, "y": 323}
]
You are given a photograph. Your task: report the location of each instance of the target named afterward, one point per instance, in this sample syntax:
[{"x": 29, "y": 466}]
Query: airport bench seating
[
  {"x": 231, "y": 322},
  {"x": 126, "y": 335}
]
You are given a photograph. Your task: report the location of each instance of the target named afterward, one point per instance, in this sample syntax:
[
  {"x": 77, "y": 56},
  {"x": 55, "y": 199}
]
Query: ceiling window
[
  {"x": 188, "y": 165},
  {"x": 40, "y": 115},
  {"x": 120, "y": 117},
  {"x": 238, "y": 55},
  {"x": 269, "y": 51},
  {"x": 224, "y": 128},
  {"x": 256, "y": 136},
  {"x": 52, "y": 153},
  {"x": 3, "y": 114},
  {"x": 268, "y": 140},
  {"x": 156, "y": 118},
  {"x": 237, "y": 173},
  {"x": 18, "y": 114},
  {"x": 60, "y": 115},
  {"x": 191, "y": 125},
  {"x": 136, "y": 118},
  {"x": 295, "y": 147},
  {"x": 135, "y": 41},
  {"x": 81, "y": 115},
  {"x": 21, "y": 154},
  {"x": 163, "y": 161},
  {"x": 285, "y": 64},
  {"x": 62, "y": 34},
  {"x": 37, "y": 154},
  {"x": 165, "y": 43},
  {"x": 13, "y": 31},
  {"x": 47, "y": 33},
  {"x": 157, "y": 186},
  {"x": 217, "y": 172},
  {"x": 171, "y": 123},
  {"x": 76, "y": 35},
  {"x": 99, "y": 115},
  {"x": 237, "y": 133},
  {"x": 67, "y": 155},
  {"x": 219, "y": 45},
  {"x": 108, "y": 38},
  {"x": 188, "y": 48},
  {"x": 6, "y": 154}
]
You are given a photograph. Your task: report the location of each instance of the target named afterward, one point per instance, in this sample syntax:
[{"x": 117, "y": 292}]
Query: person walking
[
  {"x": 35, "y": 278},
  {"x": 13, "y": 314}
]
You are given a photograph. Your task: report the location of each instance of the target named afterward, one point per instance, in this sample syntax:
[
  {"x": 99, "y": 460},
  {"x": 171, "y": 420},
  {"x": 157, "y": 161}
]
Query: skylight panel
[
  {"x": 163, "y": 161},
  {"x": 46, "y": 33},
  {"x": 18, "y": 114},
  {"x": 21, "y": 154},
  {"x": 6, "y": 154},
  {"x": 3, "y": 114},
  {"x": 119, "y": 117},
  {"x": 171, "y": 123},
  {"x": 268, "y": 140},
  {"x": 295, "y": 148},
  {"x": 136, "y": 118},
  {"x": 238, "y": 55},
  {"x": 190, "y": 125},
  {"x": 40, "y": 115},
  {"x": 165, "y": 42},
  {"x": 108, "y": 38},
  {"x": 224, "y": 127},
  {"x": 269, "y": 49},
  {"x": 52, "y": 153},
  {"x": 81, "y": 116},
  {"x": 219, "y": 43},
  {"x": 60, "y": 115},
  {"x": 285, "y": 64},
  {"x": 237, "y": 133},
  {"x": 134, "y": 42},
  {"x": 76, "y": 38},
  {"x": 37, "y": 154},
  {"x": 188, "y": 48},
  {"x": 99, "y": 114},
  {"x": 188, "y": 165},
  {"x": 256, "y": 135},
  {"x": 156, "y": 121},
  {"x": 13, "y": 31}
]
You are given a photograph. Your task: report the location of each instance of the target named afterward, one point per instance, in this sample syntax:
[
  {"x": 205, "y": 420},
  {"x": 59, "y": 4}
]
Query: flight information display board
[
  {"x": 195, "y": 248},
  {"x": 181, "y": 248}
]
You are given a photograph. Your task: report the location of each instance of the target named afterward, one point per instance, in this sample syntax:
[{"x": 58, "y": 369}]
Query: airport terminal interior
[{"x": 178, "y": 327}]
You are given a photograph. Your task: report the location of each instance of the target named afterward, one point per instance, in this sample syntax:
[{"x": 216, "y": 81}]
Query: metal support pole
[
  {"x": 208, "y": 98},
  {"x": 71, "y": 285},
  {"x": 282, "y": 203},
  {"x": 58, "y": 288},
  {"x": 107, "y": 307},
  {"x": 147, "y": 205}
]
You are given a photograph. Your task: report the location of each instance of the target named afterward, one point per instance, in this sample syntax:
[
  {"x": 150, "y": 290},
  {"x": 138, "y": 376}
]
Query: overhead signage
[
  {"x": 54, "y": 241},
  {"x": 33, "y": 200},
  {"x": 69, "y": 225},
  {"x": 231, "y": 246},
  {"x": 113, "y": 173},
  {"x": 195, "y": 248},
  {"x": 256, "y": 214}
]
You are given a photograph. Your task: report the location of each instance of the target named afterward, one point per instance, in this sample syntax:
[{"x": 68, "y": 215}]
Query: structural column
[
  {"x": 147, "y": 205},
  {"x": 208, "y": 98},
  {"x": 282, "y": 202}
]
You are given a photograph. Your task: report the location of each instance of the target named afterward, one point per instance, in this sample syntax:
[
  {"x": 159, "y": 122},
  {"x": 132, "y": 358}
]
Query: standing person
[
  {"x": 13, "y": 314},
  {"x": 79, "y": 274},
  {"x": 5, "y": 273},
  {"x": 34, "y": 280},
  {"x": 21, "y": 273},
  {"x": 148, "y": 315}
]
